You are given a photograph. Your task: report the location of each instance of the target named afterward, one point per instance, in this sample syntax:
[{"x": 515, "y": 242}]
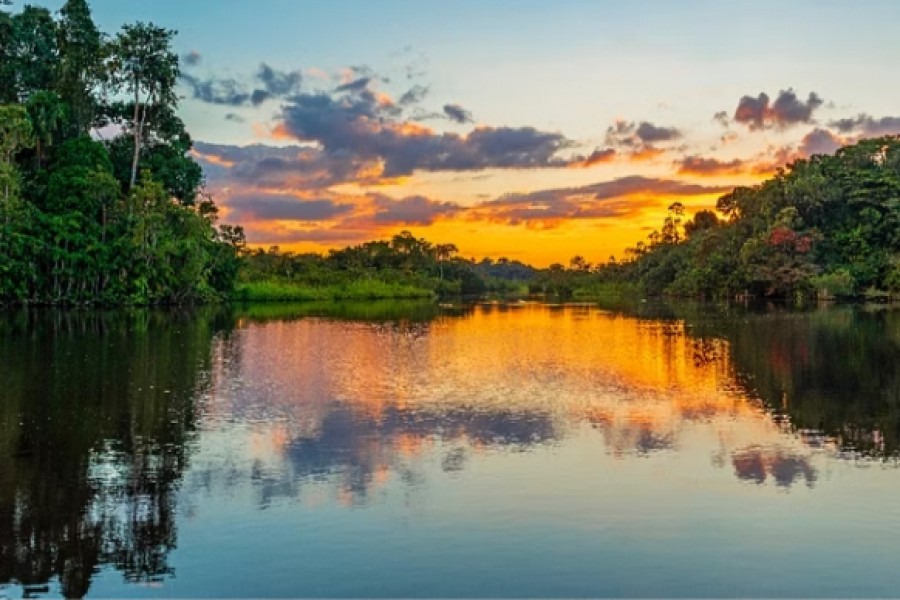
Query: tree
[
  {"x": 46, "y": 112},
  {"x": 80, "y": 68},
  {"x": 444, "y": 252},
  {"x": 145, "y": 68},
  {"x": 15, "y": 134},
  {"x": 703, "y": 221},
  {"x": 35, "y": 51}
]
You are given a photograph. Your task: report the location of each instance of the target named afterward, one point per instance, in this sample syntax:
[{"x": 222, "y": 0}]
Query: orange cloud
[
  {"x": 646, "y": 153},
  {"x": 596, "y": 157}
]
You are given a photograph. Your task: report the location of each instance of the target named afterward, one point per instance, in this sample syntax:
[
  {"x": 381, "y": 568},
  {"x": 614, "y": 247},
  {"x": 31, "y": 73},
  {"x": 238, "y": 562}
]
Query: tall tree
[
  {"x": 35, "y": 51},
  {"x": 80, "y": 68},
  {"x": 145, "y": 68}
]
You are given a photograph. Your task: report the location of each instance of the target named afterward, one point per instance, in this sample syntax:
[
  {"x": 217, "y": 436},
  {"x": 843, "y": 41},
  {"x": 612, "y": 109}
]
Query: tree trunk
[{"x": 137, "y": 134}]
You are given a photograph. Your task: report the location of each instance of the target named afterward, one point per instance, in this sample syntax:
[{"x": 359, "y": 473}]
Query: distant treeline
[
  {"x": 402, "y": 267},
  {"x": 99, "y": 199}
]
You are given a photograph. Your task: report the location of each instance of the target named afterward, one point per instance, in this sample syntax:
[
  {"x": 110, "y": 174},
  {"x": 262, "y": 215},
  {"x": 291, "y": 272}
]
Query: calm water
[{"x": 411, "y": 450}]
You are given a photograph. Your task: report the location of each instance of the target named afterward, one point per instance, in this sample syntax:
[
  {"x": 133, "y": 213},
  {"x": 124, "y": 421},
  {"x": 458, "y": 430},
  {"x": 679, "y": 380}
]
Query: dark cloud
[
  {"x": 457, "y": 113},
  {"x": 868, "y": 126},
  {"x": 721, "y": 118},
  {"x": 650, "y": 133},
  {"x": 359, "y": 125},
  {"x": 279, "y": 167},
  {"x": 234, "y": 117},
  {"x": 413, "y": 95},
  {"x": 261, "y": 206},
  {"x": 699, "y": 165},
  {"x": 227, "y": 92},
  {"x": 630, "y": 134},
  {"x": 266, "y": 233},
  {"x": 819, "y": 141},
  {"x": 231, "y": 92},
  {"x": 192, "y": 58},
  {"x": 278, "y": 83},
  {"x": 787, "y": 110},
  {"x": 640, "y": 139},
  {"x": 414, "y": 210},
  {"x": 357, "y": 85}
]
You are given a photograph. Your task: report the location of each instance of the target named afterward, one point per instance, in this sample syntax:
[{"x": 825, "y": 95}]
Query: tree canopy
[{"x": 90, "y": 221}]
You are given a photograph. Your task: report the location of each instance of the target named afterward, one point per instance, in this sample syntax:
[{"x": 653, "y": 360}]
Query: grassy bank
[{"x": 364, "y": 289}]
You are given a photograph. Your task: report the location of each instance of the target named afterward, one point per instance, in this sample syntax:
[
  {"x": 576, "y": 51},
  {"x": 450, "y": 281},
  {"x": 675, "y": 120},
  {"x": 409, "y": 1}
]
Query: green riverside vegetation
[
  {"x": 100, "y": 201},
  {"x": 825, "y": 227}
]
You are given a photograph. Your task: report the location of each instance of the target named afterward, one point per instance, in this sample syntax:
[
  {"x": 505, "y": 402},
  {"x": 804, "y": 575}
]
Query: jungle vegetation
[{"x": 100, "y": 201}]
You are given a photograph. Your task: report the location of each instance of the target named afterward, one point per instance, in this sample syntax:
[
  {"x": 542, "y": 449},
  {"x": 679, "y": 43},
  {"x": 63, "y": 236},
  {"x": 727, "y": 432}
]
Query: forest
[
  {"x": 100, "y": 201},
  {"x": 825, "y": 227}
]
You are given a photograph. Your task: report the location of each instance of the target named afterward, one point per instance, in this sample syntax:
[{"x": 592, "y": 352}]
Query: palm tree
[
  {"x": 444, "y": 252},
  {"x": 46, "y": 112}
]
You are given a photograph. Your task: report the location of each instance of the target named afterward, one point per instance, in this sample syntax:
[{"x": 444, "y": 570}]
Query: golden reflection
[{"x": 359, "y": 399}]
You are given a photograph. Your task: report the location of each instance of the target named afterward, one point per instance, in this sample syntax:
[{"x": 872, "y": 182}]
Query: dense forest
[
  {"x": 99, "y": 199},
  {"x": 827, "y": 227}
]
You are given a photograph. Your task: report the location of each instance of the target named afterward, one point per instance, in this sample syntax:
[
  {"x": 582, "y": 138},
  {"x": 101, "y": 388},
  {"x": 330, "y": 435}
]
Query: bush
[{"x": 836, "y": 284}]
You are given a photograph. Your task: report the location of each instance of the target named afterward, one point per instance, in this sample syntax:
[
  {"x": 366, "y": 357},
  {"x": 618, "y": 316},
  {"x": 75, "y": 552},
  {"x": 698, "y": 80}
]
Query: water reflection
[
  {"x": 116, "y": 426},
  {"x": 97, "y": 419}
]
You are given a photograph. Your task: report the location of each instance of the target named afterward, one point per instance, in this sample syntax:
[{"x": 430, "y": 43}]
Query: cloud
[
  {"x": 650, "y": 133},
  {"x": 270, "y": 233},
  {"x": 232, "y": 92},
  {"x": 360, "y": 126},
  {"x": 640, "y": 139},
  {"x": 623, "y": 197},
  {"x": 192, "y": 58},
  {"x": 597, "y": 157},
  {"x": 413, "y": 210},
  {"x": 631, "y": 134},
  {"x": 278, "y": 83},
  {"x": 261, "y": 206},
  {"x": 234, "y": 117},
  {"x": 293, "y": 167},
  {"x": 413, "y": 95},
  {"x": 699, "y": 165},
  {"x": 721, "y": 118},
  {"x": 759, "y": 113},
  {"x": 357, "y": 85},
  {"x": 868, "y": 126},
  {"x": 820, "y": 141},
  {"x": 228, "y": 92},
  {"x": 457, "y": 113}
]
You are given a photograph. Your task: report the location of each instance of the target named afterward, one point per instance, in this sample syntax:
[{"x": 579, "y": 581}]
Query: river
[{"x": 403, "y": 449}]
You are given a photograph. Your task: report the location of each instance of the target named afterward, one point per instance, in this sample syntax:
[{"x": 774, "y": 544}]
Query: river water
[{"x": 397, "y": 449}]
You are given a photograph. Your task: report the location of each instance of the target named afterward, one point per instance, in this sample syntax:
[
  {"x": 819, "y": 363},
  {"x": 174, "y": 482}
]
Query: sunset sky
[{"x": 532, "y": 130}]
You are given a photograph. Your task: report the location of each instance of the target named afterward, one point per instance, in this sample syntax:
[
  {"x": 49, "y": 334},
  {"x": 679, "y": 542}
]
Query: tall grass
[{"x": 362, "y": 289}]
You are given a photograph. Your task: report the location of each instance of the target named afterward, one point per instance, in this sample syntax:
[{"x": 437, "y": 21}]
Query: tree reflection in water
[
  {"x": 98, "y": 413},
  {"x": 101, "y": 413}
]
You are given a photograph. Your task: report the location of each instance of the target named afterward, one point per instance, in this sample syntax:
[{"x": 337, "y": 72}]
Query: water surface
[{"x": 396, "y": 449}]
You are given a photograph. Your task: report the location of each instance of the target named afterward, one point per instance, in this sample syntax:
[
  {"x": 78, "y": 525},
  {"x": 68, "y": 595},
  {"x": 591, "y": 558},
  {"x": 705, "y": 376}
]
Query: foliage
[
  {"x": 828, "y": 225},
  {"x": 88, "y": 222}
]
